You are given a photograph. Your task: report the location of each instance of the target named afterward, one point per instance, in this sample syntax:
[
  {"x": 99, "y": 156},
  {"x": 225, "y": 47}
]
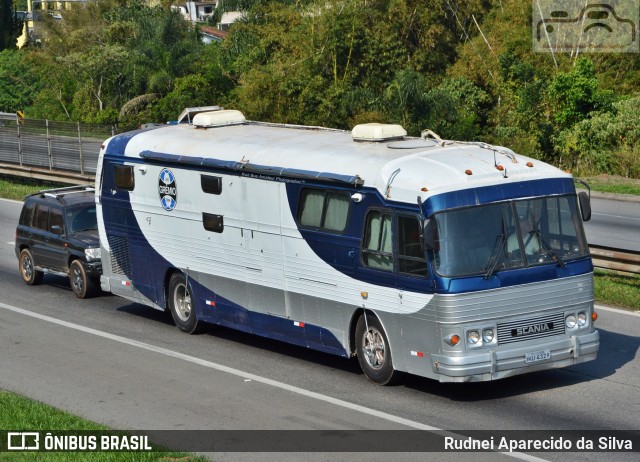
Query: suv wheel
[
  {"x": 30, "y": 275},
  {"x": 81, "y": 284}
]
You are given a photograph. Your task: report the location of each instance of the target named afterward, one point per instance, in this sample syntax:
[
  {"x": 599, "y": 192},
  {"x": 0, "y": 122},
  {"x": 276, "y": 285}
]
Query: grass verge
[
  {"x": 614, "y": 184},
  {"x": 618, "y": 289},
  {"x": 18, "y": 188},
  {"x": 21, "y": 414}
]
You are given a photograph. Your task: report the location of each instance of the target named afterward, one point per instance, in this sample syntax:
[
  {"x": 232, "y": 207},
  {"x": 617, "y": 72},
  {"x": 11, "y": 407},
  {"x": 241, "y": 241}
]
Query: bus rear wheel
[
  {"x": 182, "y": 306},
  {"x": 374, "y": 353}
]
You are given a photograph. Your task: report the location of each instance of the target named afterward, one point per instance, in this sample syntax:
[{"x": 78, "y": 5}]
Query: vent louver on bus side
[{"x": 120, "y": 263}]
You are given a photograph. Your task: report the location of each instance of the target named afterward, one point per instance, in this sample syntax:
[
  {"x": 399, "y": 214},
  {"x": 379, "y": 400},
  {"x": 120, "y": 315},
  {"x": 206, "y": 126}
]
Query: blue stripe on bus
[
  {"x": 500, "y": 192},
  {"x": 508, "y": 278},
  {"x": 148, "y": 268},
  {"x": 342, "y": 251}
]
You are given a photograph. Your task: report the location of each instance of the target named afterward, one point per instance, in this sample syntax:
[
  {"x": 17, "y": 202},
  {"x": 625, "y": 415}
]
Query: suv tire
[
  {"x": 81, "y": 285},
  {"x": 30, "y": 275}
]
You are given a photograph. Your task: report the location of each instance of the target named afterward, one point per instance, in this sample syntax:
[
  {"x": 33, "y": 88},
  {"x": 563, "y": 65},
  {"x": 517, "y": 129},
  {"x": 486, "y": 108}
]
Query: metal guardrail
[
  {"x": 615, "y": 259},
  {"x": 45, "y": 144}
]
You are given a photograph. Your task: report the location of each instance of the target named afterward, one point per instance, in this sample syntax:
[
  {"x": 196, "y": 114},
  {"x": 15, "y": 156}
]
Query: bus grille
[
  {"x": 533, "y": 328},
  {"x": 120, "y": 263}
]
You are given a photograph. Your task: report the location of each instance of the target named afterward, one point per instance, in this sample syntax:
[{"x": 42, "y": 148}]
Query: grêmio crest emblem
[{"x": 167, "y": 189}]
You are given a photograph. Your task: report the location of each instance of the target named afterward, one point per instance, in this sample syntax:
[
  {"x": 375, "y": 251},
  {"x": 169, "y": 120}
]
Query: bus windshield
[{"x": 508, "y": 235}]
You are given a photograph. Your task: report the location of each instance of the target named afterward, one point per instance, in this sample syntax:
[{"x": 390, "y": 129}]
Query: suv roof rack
[{"x": 60, "y": 192}]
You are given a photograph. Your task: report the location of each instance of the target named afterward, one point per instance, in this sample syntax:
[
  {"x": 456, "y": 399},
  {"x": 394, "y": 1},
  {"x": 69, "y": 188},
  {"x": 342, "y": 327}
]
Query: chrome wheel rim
[
  {"x": 182, "y": 302},
  {"x": 374, "y": 348},
  {"x": 76, "y": 280},
  {"x": 27, "y": 267}
]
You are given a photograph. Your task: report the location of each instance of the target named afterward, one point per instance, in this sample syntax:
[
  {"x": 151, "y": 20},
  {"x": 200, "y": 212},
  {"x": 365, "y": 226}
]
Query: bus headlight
[
  {"x": 473, "y": 337},
  {"x": 487, "y": 335},
  {"x": 582, "y": 319},
  {"x": 570, "y": 321}
]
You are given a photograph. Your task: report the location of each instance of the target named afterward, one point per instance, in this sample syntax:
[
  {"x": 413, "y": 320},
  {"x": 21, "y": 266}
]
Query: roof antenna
[{"x": 392, "y": 177}]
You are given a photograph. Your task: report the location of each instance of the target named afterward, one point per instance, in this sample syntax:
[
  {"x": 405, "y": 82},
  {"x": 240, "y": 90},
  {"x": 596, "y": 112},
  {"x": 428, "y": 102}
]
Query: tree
[
  {"x": 10, "y": 25},
  {"x": 577, "y": 93},
  {"x": 18, "y": 84},
  {"x": 606, "y": 142}
]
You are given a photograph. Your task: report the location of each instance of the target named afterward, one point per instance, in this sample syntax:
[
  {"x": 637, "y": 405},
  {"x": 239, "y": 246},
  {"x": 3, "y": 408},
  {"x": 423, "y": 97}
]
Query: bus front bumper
[{"x": 503, "y": 363}]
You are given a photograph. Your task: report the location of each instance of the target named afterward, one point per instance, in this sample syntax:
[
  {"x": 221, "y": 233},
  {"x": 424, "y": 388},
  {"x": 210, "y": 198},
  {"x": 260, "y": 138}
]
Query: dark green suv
[{"x": 58, "y": 233}]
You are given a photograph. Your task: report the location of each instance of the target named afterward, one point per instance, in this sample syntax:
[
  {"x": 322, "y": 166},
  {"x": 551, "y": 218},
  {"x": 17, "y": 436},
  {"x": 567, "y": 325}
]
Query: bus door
[
  {"x": 264, "y": 264},
  {"x": 392, "y": 255}
]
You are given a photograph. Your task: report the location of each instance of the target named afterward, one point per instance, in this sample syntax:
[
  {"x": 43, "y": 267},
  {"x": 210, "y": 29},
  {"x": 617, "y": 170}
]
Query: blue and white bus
[{"x": 450, "y": 260}]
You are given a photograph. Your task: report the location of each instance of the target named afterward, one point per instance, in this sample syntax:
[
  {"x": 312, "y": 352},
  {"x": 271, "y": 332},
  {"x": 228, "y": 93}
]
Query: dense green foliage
[
  {"x": 10, "y": 26},
  {"x": 464, "y": 69}
]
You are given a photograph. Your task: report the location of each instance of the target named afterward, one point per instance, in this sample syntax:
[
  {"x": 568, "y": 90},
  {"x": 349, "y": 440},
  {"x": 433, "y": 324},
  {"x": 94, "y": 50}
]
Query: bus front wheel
[
  {"x": 374, "y": 353},
  {"x": 182, "y": 306}
]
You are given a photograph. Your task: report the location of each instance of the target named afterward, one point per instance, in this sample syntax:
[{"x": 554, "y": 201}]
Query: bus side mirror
[{"x": 585, "y": 206}]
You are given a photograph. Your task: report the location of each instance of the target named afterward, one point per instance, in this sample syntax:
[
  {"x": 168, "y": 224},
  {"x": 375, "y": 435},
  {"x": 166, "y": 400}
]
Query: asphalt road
[
  {"x": 614, "y": 224},
  {"x": 127, "y": 366}
]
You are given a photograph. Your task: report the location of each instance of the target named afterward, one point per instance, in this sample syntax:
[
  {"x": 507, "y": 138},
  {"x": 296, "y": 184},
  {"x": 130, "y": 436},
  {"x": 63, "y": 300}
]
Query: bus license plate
[{"x": 536, "y": 356}]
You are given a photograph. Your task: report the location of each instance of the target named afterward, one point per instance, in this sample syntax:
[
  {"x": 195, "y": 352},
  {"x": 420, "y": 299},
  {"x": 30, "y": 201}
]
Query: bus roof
[{"x": 400, "y": 169}]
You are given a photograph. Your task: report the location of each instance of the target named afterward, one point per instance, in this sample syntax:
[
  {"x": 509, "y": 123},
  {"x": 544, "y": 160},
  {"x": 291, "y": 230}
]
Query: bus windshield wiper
[
  {"x": 547, "y": 248},
  {"x": 496, "y": 255}
]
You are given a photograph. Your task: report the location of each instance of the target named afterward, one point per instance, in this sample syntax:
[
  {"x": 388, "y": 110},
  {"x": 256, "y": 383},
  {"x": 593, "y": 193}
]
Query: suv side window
[
  {"x": 41, "y": 217},
  {"x": 56, "y": 219},
  {"x": 26, "y": 216}
]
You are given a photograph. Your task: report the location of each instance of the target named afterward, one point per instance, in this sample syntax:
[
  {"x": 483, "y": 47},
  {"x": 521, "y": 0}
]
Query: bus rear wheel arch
[
  {"x": 373, "y": 351},
  {"x": 182, "y": 304}
]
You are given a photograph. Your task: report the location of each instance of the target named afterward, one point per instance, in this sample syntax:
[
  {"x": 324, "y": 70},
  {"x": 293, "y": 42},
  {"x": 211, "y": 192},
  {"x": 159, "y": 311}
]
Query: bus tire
[
  {"x": 374, "y": 353},
  {"x": 81, "y": 284},
  {"x": 182, "y": 306},
  {"x": 30, "y": 275}
]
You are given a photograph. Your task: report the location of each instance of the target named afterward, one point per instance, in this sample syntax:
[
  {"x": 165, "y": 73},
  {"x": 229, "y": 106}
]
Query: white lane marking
[
  {"x": 615, "y": 216},
  {"x": 249, "y": 376},
  {"x": 10, "y": 200},
  {"x": 616, "y": 310},
  {"x": 11, "y": 243}
]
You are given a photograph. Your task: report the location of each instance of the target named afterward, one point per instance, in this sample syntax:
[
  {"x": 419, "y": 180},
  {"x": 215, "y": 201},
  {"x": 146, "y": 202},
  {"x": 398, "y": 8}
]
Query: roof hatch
[{"x": 377, "y": 132}]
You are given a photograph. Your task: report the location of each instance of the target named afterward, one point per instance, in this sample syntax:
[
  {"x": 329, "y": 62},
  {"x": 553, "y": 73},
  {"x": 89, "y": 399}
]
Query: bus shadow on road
[
  {"x": 616, "y": 351},
  {"x": 143, "y": 311}
]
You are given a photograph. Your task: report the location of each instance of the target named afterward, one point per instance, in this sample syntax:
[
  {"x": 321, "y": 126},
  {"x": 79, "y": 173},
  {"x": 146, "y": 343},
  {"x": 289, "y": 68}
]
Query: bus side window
[
  {"x": 211, "y": 184},
  {"x": 326, "y": 210},
  {"x": 124, "y": 177},
  {"x": 411, "y": 259},
  {"x": 377, "y": 244}
]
